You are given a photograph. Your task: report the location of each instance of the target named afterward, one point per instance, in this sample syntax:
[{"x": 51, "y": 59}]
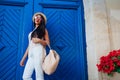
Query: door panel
[
  {"x": 12, "y": 23},
  {"x": 62, "y": 25}
]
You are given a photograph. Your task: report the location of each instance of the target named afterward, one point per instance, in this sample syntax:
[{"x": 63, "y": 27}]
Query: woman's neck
[{"x": 36, "y": 26}]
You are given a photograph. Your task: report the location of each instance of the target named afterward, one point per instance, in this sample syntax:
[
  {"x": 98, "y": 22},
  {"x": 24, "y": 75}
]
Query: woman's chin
[{"x": 37, "y": 23}]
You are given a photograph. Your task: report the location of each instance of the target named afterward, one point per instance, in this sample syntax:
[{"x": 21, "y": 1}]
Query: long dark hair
[{"x": 39, "y": 32}]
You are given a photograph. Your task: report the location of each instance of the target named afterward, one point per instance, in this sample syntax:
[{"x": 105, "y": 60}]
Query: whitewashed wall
[{"x": 102, "y": 19}]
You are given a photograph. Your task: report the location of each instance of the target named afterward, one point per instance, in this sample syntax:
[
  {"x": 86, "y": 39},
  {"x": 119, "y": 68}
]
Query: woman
[{"x": 38, "y": 39}]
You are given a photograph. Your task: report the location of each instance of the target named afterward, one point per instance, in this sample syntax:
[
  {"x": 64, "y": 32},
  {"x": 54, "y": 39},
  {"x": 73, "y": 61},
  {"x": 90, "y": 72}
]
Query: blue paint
[
  {"x": 59, "y": 4},
  {"x": 13, "y": 3}
]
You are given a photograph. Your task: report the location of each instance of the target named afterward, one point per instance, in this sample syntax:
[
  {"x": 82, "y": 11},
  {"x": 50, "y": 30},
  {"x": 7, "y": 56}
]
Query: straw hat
[{"x": 40, "y": 13}]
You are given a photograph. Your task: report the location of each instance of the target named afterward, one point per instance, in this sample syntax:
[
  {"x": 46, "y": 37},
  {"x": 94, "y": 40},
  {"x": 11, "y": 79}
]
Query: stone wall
[{"x": 102, "y": 19}]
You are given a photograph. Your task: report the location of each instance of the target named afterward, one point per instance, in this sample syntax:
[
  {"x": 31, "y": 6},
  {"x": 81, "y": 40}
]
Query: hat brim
[{"x": 39, "y": 13}]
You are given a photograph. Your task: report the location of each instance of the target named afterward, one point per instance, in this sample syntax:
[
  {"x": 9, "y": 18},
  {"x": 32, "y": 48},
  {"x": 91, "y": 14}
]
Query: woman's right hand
[{"x": 22, "y": 63}]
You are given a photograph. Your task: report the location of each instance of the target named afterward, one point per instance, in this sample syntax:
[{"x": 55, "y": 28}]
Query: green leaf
[
  {"x": 118, "y": 69},
  {"x": 118, "y": 57},
  {"x": 114, "y": 64}
]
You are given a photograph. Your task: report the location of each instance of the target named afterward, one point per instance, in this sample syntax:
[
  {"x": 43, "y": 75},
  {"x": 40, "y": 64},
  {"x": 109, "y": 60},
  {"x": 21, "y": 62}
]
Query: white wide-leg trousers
[{"x": 34, "y": 63}]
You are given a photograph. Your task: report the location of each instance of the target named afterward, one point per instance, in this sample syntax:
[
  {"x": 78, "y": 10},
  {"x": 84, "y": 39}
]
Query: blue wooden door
[
  {"x": 15, "y": 23},
  {"x": 67, "y": 36},
  {"x": 66, "y": 31}
]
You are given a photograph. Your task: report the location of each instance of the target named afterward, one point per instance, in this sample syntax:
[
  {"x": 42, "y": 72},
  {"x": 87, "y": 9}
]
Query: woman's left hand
[{"x": 36, "y": 40}]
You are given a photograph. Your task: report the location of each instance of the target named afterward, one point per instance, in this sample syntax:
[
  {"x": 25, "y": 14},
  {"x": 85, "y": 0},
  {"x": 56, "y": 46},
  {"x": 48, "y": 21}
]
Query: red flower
[
  {"x": 110, "y": 63},
  {"x": 106, "y": 64},
  {"x": 118, "y": 63}
]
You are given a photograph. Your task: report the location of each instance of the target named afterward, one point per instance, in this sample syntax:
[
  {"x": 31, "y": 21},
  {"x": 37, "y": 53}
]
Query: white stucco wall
[{"x": 102, "y": 19}]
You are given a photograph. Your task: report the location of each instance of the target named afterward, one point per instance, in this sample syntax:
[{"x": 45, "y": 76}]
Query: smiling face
[{"x": 37, "y": 19}]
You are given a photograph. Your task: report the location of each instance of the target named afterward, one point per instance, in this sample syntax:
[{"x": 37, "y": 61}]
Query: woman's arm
[
  {"x": 45, "y": 41},
  {"x": 24, "y": 57}
]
